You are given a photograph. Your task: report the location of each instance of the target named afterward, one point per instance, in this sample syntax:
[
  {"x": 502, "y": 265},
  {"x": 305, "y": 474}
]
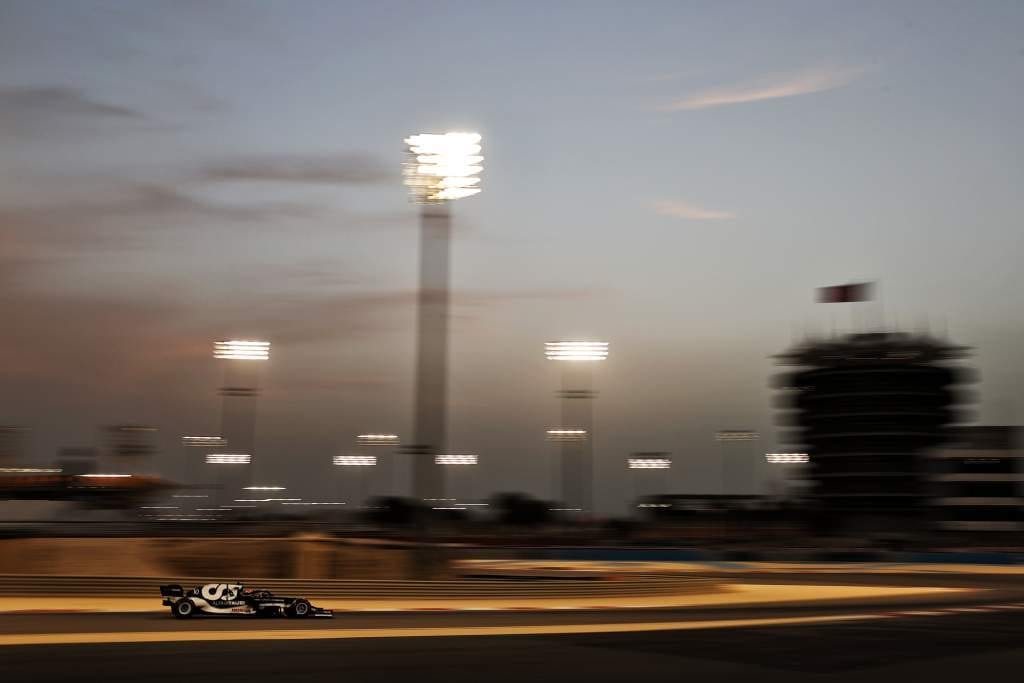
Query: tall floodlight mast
[{"x": 438, "y": 170}]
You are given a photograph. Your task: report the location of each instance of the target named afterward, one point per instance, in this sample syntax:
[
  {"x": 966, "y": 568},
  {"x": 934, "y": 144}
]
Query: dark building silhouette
[
  {"x": 868, "y": 409},
  {"x": 977, "y": 480}
]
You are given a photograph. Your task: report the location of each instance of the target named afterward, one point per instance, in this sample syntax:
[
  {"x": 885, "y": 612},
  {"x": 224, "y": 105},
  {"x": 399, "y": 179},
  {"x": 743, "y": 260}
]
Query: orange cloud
[{"x": 791, "y": 85}]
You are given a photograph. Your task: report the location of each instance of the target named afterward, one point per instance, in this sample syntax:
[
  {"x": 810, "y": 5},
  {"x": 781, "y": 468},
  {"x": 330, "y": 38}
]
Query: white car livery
[{"x": 235, "y": 599}]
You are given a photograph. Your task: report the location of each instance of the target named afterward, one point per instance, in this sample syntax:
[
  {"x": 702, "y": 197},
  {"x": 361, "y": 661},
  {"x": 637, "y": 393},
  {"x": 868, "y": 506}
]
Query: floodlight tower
[
  {"x": 738, "y": 462},
  {"x": 361, "y": 463},
  {"x": 203, "y": 445},
  {"x": 221, "y": 459},
  {"x": 454, "y": 464},
  {"x": 386, "y": 471},
  {"x": 649, "y": 464},
  {"x": 577, "y": 359},
  {"x": 790, "y": 472},
  {"x": 242, "y": 360},
  {"x": 438, "y": 169}
]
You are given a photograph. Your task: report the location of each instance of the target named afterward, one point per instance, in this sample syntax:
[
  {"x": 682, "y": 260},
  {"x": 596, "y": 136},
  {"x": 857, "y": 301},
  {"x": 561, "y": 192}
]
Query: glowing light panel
[
  {"x": 444, "y": 167},
  {"x": 456, "y": 459},
  {"x": 241, "y": 349},
  {"x": 649, "y": 463},
  {"x": 576, "y": 350},
  {"x": 228, "y": 459},
  {"x": 355, "y": 460}
]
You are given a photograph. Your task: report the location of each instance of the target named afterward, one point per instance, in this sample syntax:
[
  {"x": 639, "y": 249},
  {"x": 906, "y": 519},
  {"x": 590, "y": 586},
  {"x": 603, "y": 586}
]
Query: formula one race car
[{"x": 234, "y": 598}]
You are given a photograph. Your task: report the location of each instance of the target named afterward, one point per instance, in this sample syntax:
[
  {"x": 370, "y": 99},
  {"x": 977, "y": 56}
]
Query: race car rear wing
[{"x": 172, "y": 590}]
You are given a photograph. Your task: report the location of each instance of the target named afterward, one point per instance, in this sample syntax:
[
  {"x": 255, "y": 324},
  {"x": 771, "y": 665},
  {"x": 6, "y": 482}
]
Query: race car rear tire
[
  {"x": 183, "y": 609},
  {"x": 300, "y": 609}
]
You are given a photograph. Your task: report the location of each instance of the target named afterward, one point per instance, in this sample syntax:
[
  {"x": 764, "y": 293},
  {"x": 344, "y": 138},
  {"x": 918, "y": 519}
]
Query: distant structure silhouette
[
  {"x": 977, "y": 483},
  {"x": 869, "y": 408}
]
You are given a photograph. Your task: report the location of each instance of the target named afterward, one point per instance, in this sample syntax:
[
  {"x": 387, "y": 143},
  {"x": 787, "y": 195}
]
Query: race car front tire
[
  {"x": 300, "y": 609},
  {"x": 183, "y": 609}
]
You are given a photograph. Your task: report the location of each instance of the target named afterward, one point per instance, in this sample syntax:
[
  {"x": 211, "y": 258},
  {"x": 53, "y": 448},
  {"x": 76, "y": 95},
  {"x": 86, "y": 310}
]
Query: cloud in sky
[
  {"x": 82, "y": 218},
  {"x": 691, "y": 212},
  {"x": 112, "y": 217},
  {"x": 348, "y": 169},
  {"x": 771, "y": 88},
  {"x": 38, "y": 109},
  {"x": 34, "y": 100}
]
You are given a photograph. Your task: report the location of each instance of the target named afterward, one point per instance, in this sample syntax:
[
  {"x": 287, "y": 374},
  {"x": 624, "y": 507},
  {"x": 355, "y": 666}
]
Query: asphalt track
[
  {"x": 947, "y": 638},
  {"x": 940, "y": 648}
]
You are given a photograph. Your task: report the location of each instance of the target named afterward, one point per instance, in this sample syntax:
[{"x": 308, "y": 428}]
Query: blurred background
[{"x": 791, "y": 237}]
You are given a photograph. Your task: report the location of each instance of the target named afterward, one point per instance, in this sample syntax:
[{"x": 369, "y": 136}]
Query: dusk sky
[{"x": 673, "y": 177}]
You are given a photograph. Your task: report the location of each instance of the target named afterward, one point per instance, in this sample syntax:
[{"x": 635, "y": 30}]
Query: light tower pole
[
  {"x": 377, "y": 440},
  {"x": 737, "y": 459},
  {"x": 361, "y": 462},
  {"x": 640, "y": 463},
  {"x": 438, "y": 169},
  {"x": 196, "y": 449},
  {"x": 577, "y": 358},
  {"x": 222, "y": 459},
  {"x": 793, "y": 470},
  {"x": 239, "y": 393},
  {"x": 455, "y": 463}
]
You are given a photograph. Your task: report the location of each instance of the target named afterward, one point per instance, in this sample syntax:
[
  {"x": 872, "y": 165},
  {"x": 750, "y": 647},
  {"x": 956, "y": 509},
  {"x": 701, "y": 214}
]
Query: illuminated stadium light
[
  {"x": 314, "y": 503},
  {"x": 204, "y": 441},
  {"x": 265, "y": 500},
  {"x": 649, "y": 463},
  {"x": 377, "y": 439},
  {"x": 30, "y": 470},
  {"x": 355, "y": 460},
  {"x": 189, "y": 495},
  {"x": 786, "y": 458},
  {"x": 456, "y": 460},
  {"x": 241, "y": 349},
  {"x": 736, "y": 435},
  {"x": 130, "y": 429},
  {"x": 263, "y": 488},
  {"x": 576, "y": 350},
  {"x": 228, "y": 459},
  {"x": 567, "y": 434},
  {"x": 105, "y": 476},
  {"x": 441, "y": 168}
]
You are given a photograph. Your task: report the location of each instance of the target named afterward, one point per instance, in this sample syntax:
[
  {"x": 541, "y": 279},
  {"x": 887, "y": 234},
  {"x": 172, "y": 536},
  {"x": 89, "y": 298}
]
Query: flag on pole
[{"x": 838, "y": 294}]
